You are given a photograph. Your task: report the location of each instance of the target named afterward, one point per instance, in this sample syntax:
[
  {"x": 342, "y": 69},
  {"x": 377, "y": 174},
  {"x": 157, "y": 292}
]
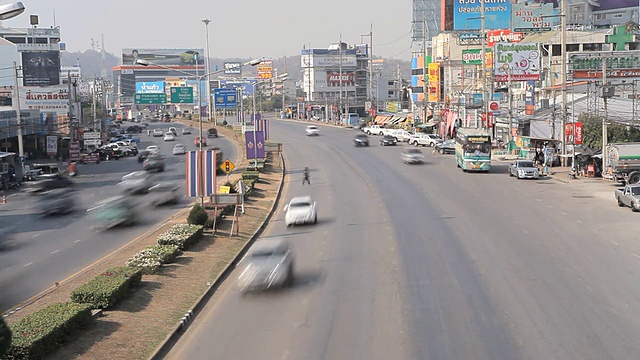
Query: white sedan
[
  {"x": 300, "y": 210},
  {"x": 136, "y": 182},
  {"x": 157, "y": 132},
  {"x": 169, "y": 136},
  {"x": 179, "y": 149},
  {"x": 312, "y": 130}
]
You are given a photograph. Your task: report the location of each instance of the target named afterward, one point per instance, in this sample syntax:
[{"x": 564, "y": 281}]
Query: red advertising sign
[
  {"x": 497, "y": 36},
  {"x": 574, "y": 133}
]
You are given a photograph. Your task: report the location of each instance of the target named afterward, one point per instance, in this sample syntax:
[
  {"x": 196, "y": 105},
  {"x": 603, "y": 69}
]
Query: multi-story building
[
  {"x": 337, "y": 76},
  {"x": 601, "y": 13}
]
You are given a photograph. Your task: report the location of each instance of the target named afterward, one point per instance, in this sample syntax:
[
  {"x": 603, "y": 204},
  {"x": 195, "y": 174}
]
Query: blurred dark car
[
  {"x": 153, "y": 163},
  {"x": 361, "y": 140},
  {"x": 143, "y": 155},
  {"x": 212, "y": 133},
  {"x": 135, "y": 129},
  {"x": 446, "y": 147},
  {"x": 105, "y": 154},
  {"x": 388, "y": 140},
  {"x": 46, "y": 183},
  {"x": 57, "y": 201}
]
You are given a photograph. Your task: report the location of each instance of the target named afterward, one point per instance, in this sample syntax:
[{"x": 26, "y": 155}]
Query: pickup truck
[
  {"x": 629, "y": 196},
  {"x": 373, "y": 130},
  {"x": 430, "y": 140}
]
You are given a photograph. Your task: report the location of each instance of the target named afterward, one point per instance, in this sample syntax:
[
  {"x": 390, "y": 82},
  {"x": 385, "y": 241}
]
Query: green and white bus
[{"x": 473, "y": 149}]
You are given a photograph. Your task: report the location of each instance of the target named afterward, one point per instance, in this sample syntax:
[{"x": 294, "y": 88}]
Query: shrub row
[
  {"x": 250, "y": 175},
  {"x": 106, "y": 289},
  {"x": 151, "y": 258},
  {"x": 42, "y": 332},
  {"x": 181, "y": 235}
]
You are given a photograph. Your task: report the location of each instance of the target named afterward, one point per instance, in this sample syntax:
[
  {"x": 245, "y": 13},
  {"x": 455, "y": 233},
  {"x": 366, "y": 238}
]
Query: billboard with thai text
[
  {"x": 516, "y": 62},
  {"x": 531, "y": 17},
  {"x": 149, "y": 87},
  {"x": 466, "y": 14},
  {"x": 45, "y": 99}
]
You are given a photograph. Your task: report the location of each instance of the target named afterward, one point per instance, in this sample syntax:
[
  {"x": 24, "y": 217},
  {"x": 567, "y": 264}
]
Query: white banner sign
[
  {"x": 327, "y": 60},
  {"x": 45, "y": 99},
  {"x": 52, "y": 145}
]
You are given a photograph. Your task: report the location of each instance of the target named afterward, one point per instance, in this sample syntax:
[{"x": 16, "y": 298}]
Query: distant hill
[{"x": 91, "y": 61}]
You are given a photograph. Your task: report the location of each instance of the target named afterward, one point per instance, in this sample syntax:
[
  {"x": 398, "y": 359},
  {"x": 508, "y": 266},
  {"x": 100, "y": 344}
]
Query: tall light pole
[
  {"x": 18, "y": 116},
  {"x": 563, "y": 42},
  {"x": 208, "y": 87}
]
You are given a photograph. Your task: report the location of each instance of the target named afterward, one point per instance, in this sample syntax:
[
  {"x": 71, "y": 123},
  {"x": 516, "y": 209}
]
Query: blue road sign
[{"x": 225, "y": 98}]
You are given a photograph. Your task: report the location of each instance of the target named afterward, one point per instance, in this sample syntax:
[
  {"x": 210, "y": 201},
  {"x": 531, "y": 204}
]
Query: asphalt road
[
  {"x": 428, "y": 262},
  {"x": 45, "y": 250}
]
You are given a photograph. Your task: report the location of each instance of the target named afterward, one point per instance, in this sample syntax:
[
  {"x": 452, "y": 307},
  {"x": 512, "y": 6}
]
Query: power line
[{"x": 394, "y": 41}]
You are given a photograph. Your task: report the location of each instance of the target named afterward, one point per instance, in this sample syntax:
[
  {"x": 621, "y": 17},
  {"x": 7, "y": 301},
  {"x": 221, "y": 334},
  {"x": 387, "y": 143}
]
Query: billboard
[
  {"x": 265, "y": 69},
  {"x": 348, "y": 78},
  {"x": 434, "y": 82},
  {"x": 149, "y": 87},
  {"x": 474, "y": 57},
  {"x": 466, "y": 14},
  {"x": 166, "y": 57},
  {"x": 530, "y": 98},
  {"x": 516, "y": 62},
  {"x": 232, "y": 68},
  {"x": 73, "y": 71},
  {"x": 328, "y": 58},
  {"x": 40, "y": 68},
  {"x": 620, "y": 64},
  {"x": 533, "y": 17},
  {"x": 45, "y": 99},
  {"x": 573, "y": 133}
]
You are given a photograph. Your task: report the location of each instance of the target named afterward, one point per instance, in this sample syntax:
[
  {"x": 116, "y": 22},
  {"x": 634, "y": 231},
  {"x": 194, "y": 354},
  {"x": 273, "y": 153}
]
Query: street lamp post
[
  {"x": 208, "y": 87},
  {"x": 12, "y": 10}
]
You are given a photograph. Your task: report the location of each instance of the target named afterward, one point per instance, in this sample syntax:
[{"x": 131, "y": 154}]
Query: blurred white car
[
  {"x": 136, "y": 182},
  {"x": 269, "y": 264},
  {"x": 169, "y": 136},
  {"x": 412, "y": 156},
  {"x": 186, "y": 131},
  {"x": 312, "y": 130},
  {"x": 179, "y": 149},
  {"x": 164, "y": 193},
  {"x": 157, "y": 132},
  {"x": 300, "y": 210},
  {"x": 153, "y": 148}
]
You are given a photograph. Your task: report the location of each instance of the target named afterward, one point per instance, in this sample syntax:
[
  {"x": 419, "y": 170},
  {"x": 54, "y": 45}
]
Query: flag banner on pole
[
  {"x": 263, "y": 125},
  {"x": 201, "y": 172},
  {"x": 254, "y": 144}
]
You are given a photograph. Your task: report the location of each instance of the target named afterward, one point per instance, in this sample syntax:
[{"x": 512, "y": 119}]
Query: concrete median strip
[
  {"x": 167, "y": 302},
  {"x": 182, "y": 326}
]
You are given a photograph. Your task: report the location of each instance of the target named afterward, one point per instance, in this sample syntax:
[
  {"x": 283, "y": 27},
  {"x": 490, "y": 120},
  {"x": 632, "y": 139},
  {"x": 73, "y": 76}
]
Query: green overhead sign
[
  {"x": 182, "y": 95},
  {"x": 143, "y": 98}
]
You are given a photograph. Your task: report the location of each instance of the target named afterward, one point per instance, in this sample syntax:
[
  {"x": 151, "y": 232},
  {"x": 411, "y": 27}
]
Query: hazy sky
[{"x": 244, "y": 28}]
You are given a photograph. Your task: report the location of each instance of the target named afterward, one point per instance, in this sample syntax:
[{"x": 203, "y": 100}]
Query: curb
[
  {"x": 167, "y": 344},
  {"x": 90, "y": 267}
]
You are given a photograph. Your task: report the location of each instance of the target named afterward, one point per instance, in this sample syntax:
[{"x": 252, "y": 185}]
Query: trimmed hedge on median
[
  {"x": 250, "y": 175},
  {"x": 150, "y": 259},
  {"x": 106, "y": 289},
  {"x": 181, "y": 235},
  {"x": 41, "y": 333}
]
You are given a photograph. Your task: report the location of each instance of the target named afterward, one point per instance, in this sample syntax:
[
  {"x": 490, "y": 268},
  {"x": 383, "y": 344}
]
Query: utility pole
[
  {"x": 604, "y": 118},
  {"x": 103, "y": 121},
  {"x": 19, "y": 117},
  {"x": 284, "y": 88},
  {"x": 371, "y": 66},
  {"x": 563, "y": 44},
  {"x": 94, "y": 106},
  {"x": 425, "y": 78},
  {"x": 483, "y": 71},
  {"x": 309, "y": 97},
  {"x": 340, "y": 79}
]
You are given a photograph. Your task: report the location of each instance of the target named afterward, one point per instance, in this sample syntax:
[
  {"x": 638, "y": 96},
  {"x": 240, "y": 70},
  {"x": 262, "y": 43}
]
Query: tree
[
  {"x": 616, "y": 133},
  {"x": 5, "y": 337}
]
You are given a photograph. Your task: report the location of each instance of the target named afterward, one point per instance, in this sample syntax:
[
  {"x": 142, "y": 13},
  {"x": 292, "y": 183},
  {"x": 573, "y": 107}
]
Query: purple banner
[{"x": 254, "y": 144}]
